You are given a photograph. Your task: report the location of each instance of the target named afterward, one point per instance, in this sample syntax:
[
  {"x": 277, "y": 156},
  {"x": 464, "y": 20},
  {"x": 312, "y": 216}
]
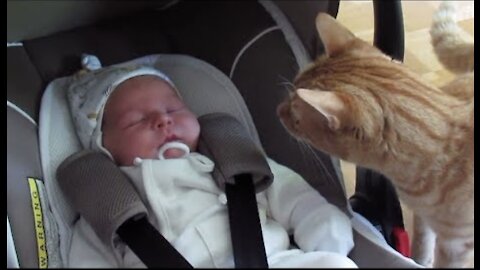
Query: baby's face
[{"x": 141, "y": 115}]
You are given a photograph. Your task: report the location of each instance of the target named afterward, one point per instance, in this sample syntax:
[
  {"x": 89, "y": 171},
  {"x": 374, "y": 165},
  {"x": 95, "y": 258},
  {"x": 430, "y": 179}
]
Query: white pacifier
[
  {"x": 173, "y": 145},
  {"x": 170, "y": 145}
]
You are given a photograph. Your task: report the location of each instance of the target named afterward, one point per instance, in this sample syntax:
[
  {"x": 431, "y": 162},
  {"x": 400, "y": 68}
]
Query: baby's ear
[
  {"x": 328, "y": 103},
  {"x": 334, "y": 36}
]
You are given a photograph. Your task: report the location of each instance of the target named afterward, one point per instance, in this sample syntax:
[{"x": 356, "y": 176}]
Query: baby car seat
[{"x": 259, "y": 54}]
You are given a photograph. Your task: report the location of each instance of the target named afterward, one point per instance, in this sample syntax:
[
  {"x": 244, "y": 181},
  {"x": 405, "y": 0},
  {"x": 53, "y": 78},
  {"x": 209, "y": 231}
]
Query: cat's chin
[
  {"x": 283, "y": 110},
  {"x": 283, "y": 113}
]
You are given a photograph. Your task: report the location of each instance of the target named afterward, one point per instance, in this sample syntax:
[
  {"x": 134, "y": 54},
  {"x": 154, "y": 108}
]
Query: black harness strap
[
  {"x": 242, "y": 169},
  {"x": 150, "y": 246},
  {"x": 246, "y": 232}
]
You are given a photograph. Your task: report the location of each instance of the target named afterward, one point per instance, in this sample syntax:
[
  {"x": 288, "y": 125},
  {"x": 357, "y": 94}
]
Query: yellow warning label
[{"x": 39, "y": 225}]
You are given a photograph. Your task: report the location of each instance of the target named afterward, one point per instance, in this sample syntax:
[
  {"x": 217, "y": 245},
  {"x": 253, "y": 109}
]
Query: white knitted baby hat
[{"x": 89, "y": 90}]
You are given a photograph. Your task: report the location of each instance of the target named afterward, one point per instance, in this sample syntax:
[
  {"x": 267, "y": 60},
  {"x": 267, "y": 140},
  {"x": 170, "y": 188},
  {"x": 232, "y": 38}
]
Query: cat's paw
[{"x": 423, "y": 259}]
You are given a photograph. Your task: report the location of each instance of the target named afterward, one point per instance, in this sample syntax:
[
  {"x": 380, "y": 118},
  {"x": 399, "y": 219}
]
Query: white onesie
[{"x": 190, "y": 211}]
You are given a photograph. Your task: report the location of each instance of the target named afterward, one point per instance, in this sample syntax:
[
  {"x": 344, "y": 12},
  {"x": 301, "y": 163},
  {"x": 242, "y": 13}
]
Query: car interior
[{"x": 235, "y": 57}]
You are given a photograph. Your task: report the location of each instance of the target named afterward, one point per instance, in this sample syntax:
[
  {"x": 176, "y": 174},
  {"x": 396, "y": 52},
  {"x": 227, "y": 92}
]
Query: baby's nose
[{"x": 161, "y": 120}]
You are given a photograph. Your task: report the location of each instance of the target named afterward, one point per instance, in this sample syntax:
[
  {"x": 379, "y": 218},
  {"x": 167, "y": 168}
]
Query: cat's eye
[{"x": 357, "y": 133}]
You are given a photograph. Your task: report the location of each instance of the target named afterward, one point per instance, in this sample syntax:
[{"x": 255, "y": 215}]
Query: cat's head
[{"x": 338, "y": 105}]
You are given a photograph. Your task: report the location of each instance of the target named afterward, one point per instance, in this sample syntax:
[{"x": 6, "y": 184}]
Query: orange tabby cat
[{"x": 357, "y": 104}]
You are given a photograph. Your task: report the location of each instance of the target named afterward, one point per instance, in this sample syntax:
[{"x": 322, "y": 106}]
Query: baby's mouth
[
  {"x": 173, "y": 153},
  {"x": 173, "y": 149},
  {"x": 171, "y": 138}
]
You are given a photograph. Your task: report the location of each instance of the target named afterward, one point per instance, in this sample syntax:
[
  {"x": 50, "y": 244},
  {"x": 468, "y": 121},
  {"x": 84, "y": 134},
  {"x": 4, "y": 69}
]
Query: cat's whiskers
[
  {"x": 306, "y": 150},
  {"x": 303, "y": 146},
  {"x": 288, "y": 86},
  {"x": 319, "y": 161}
]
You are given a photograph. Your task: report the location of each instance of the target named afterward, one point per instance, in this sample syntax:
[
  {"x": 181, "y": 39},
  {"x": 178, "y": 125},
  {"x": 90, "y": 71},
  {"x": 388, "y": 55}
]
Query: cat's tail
[{"x": 452, "y": 50}]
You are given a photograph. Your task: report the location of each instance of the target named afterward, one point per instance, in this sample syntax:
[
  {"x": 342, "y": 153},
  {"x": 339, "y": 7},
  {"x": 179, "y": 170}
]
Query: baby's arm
[{"x": 316, "y": 224}]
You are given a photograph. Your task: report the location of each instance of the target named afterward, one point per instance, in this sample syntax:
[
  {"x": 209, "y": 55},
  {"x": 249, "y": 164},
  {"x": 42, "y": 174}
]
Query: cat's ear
[
  {"x": 328, "y": 103},
  {"x": 334, "y": 36}
]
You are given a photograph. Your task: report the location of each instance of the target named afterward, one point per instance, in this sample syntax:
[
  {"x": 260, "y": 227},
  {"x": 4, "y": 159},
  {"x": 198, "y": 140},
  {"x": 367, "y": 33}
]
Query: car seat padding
[
  {"x": 22, "y": 162},
  {"x": 204, "y": 89}
]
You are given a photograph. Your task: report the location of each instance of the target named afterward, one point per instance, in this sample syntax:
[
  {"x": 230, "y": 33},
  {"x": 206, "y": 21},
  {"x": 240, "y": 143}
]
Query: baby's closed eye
[
  {"x": 132, "y": 119},
  {"x": 173, "y": 104},
  {"x": 175, "y": 109}
]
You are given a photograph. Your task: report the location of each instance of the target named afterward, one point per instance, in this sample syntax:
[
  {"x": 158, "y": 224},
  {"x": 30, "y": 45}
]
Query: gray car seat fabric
[
  {"x": 203, "y": 88},
  {"x": 214, "y": 31},
  {"x": 33, "y": 228},
  {"x": 24, "y": 93},
  {"x": 23, "y": 161},
  {"x": 54, "y": 16},
  {"x": 300, "y": 15}
]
